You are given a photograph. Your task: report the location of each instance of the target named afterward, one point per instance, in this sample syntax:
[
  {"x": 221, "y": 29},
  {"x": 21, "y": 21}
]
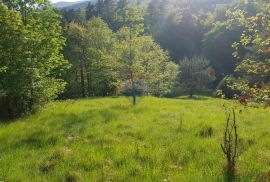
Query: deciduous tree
[
  {"x": 253, "y": 71},
  {"x": 30, "y": 58}
]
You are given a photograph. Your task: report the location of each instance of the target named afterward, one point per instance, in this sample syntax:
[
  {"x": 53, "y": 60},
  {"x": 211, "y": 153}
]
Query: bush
[{"x": 223, "y": 89}]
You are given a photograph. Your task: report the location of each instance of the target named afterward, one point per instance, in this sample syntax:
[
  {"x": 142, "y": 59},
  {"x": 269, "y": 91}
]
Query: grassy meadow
[{"x": 108, "y": 139}]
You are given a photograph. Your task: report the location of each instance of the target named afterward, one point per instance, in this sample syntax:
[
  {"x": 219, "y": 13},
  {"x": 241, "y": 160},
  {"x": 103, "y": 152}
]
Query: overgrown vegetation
[
  {"x": 30, "y": 61},
  {"x": 121, "y": 47},
  {"x": 134, "y": 48},
  {"x": 109, "y": 139}
]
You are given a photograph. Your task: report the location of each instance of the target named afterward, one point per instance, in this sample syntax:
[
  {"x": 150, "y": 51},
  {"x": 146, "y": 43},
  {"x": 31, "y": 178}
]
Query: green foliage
[
  {"x": 225, "y": 90},
  {"x": 194, "y": 73},
  {"x": 160, "y": 72},
  {"x": 253, "y": 70},
  {"x": 178, "y": 25},
  {"x": 131, "y": 17},
  {"x": 90, "y": 50},
  {"x": 217, "y": 47},
  {"x": 222, "y": 32},
  {"x": 104, "y": 63},
  {"x": 145, "y": 67},
  {"x": 74, "y": 51},
  {"x": 116, "y": 13},
  {"x": 105, "y": 9},
  {"x": 185, "y": 28},
  {"x": 30, "y": 59}
]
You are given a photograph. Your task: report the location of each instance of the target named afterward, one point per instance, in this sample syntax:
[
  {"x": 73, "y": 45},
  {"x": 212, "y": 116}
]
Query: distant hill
[{"x": 72, "y": 5}]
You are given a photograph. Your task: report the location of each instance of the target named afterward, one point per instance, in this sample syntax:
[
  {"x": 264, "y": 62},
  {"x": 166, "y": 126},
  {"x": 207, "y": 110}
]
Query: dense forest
[{"x": 162, "y": 48}]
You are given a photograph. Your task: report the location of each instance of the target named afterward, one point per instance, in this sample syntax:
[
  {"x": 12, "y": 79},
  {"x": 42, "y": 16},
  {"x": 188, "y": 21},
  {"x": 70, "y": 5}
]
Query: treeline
[
  {"x": 42, "y": 60},
  {"x": 226, "y": 34},
  {"x": 115, "y": 47},
  {"x": 111, "y": 63}
]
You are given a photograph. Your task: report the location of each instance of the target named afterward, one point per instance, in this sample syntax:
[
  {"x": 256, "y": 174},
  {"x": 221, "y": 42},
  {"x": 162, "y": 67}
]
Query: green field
[{"x": 108, "y": 139}]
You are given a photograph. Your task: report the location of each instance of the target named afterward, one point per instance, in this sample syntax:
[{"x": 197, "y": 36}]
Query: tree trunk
[
  {"x": 230, "y": 171},
  {"x": 82, "y": 82},
  {"x": 134, "y": 101},
  {"x": 89, "y": 85},
  {"x": 191, "y": 93},
  {"x": 77, "y": 81},
  {"x": 9, "y": 110}
]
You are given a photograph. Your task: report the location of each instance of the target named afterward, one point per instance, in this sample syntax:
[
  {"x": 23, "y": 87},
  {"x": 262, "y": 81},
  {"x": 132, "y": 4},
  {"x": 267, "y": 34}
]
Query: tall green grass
[{"x": 108, "y": 139}]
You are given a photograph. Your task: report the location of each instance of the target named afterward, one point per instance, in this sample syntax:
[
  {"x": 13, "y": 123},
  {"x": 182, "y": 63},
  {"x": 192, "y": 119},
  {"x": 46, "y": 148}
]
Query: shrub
[{"x": 224, "y": 87}]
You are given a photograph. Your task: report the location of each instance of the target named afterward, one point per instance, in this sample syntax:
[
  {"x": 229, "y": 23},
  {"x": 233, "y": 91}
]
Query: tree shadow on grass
[
  {"x": 58, "y": 126},
  {"x": 23, "y": 117},
  {"x": 195, "y": 97},
  {"x": 37, "y": 139},
  {"x": 76, "y": 123}
]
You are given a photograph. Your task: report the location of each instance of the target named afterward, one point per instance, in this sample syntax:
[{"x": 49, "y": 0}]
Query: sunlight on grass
[{"x": 109, "y": 139}]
